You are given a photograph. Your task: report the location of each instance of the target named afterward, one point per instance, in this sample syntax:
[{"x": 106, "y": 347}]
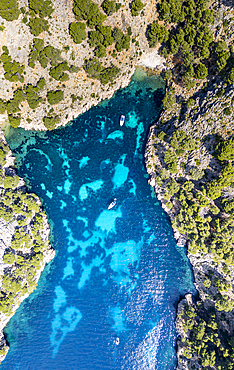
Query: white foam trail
[{"x": 143, "y": 357}]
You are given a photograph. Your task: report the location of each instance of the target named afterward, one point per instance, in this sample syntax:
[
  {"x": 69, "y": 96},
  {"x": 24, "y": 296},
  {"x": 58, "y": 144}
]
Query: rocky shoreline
[
  {"x": 195, "y": 168},
  {"x": 22, "y": 258}
]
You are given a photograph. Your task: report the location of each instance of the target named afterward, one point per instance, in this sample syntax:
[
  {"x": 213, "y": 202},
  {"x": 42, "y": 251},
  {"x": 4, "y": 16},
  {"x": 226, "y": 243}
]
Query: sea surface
[{"x": 108, "y": 299}]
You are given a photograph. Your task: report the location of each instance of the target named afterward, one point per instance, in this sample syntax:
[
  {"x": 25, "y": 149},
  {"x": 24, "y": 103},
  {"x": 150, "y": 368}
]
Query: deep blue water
[{"x": 117, "y": 273}]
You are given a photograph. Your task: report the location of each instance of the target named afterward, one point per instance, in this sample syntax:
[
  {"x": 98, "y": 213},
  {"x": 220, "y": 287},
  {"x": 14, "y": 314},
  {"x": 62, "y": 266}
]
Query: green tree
[
  {"x": 100, "y": 51},
  {"x": 9, "y": 10},
  {"x": 201, "y": 71},
  {"x": 41, "y": 7},
  {"x": 32, "y": 97},
  {"x": 225, "y": 150},
  {"x": 136, "y": 7},
  {"x": 156, "y": 33},
  {"x": 58, "y": 72},
  {"x": 124, "y": 43},
  {"x": 110, "y": 7},
  {"x": 38, "y": 25},
  {"x": 55, "y": 97},
  {"x": 77, "y": 32},
  {"x": 50, "y": 122},
  {"x": 14, "y": 120}
]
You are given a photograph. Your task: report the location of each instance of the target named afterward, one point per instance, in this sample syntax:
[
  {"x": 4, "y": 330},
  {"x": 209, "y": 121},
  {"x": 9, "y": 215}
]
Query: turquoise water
[{"x": 108, "y": 299}]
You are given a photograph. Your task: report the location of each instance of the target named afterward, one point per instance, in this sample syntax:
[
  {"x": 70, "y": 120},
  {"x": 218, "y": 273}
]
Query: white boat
[
  {"x": 112, "y": 204},
  {"x": 122, "y": 120},
  {"x": 117, "y": 341}
]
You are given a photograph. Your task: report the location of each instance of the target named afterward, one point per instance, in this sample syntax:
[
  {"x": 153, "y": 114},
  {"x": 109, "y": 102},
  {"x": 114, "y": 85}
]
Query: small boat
[
  {"x": 122, "y": 120},
  {"x": 117, "y": 341},
  {"x": 112, "y": 204}
]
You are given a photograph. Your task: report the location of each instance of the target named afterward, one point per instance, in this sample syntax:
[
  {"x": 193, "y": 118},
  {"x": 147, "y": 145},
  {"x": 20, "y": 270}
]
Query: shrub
[
  {"x": 77, "y": 32},
  {"x": 136, "y": 7},
  {"x": 54, "y": 97}
]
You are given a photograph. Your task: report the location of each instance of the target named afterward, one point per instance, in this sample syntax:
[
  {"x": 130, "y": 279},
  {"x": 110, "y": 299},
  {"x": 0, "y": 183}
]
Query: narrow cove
[{"x": 108, "y": 299}]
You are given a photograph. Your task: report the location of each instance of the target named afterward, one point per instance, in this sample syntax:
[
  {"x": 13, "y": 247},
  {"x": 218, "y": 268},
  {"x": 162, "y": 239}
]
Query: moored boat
[
  {"x": 112, "y": 204},
  {"x": 122, "y": 120}
]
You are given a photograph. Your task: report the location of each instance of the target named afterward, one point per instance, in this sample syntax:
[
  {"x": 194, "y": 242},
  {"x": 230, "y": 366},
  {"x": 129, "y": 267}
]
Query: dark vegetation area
[
  {"x": 206, "y": 342},
  {"x": 102, "y": 36},
  {"x": 25, "y": 256},
  {"x": 190, "y": 41}
]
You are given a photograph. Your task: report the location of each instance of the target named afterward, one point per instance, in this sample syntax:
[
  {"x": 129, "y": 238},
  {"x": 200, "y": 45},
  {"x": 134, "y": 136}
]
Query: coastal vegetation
[
  {"x": 189, "y": 40},
  {"x": 95, "y": 69},
  {"x": 191, "y": 159},
  {"x": 24, "y": 258}
]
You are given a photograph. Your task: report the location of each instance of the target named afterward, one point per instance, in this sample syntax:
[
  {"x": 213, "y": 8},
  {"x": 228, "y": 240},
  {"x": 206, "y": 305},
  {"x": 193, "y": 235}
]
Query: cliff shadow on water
[{"x": 108, "y": 300}]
